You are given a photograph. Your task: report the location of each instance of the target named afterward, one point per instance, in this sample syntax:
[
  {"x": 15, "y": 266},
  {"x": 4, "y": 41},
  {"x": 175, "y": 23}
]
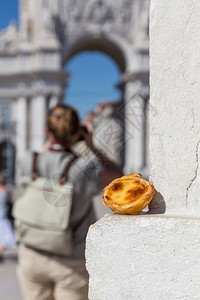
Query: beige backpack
[{"x": 42, "y": 211}]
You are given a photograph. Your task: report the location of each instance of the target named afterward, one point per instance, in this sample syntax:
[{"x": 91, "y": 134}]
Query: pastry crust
[{"x": 128, "y": 194}]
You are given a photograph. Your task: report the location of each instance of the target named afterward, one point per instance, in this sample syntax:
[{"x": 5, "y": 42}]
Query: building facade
[{"x": 33, "y": 76}]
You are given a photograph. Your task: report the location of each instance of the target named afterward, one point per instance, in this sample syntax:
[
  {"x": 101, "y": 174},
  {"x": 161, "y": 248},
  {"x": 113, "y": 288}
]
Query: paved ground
[{"x": 9, "y": 287}]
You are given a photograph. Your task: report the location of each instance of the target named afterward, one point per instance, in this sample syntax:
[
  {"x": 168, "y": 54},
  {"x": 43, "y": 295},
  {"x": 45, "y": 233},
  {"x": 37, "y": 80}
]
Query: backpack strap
[
  {"x": 66, "y": 170},
  {"x": 34, "y": 173},
  {"x": 63, "y": 176}
]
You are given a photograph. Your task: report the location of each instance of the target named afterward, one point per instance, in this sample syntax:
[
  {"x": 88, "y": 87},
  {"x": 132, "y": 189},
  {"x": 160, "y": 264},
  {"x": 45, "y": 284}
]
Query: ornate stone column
[
  {"x": 38, "y": 110},
  {"x": 20, "y": 119},
  {"x": 53, "y": 100}
]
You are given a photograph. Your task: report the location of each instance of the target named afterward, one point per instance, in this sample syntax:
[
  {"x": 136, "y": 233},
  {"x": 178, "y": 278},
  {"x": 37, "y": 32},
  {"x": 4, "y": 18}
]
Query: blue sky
[
  {"x": 93, "y": 79},
  {"x": 8, "y": 12},
  {"x": 93, "y": 74}
]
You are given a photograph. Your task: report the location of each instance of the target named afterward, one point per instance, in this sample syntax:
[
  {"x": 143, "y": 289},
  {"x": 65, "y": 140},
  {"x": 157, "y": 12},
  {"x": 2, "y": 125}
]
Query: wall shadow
[{"x": 157, "y": 204}]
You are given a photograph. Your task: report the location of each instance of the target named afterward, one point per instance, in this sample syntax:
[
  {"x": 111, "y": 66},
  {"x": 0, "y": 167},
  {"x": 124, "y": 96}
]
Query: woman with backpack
[{"x": 51, "y": 250}]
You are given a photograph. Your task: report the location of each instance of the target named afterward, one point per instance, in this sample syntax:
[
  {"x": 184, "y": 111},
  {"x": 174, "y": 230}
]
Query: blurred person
[
  {"x": 80, "y": 147},
  {"x": 7, "y": 237},
  {"x": 46, "y": 275},
  {"x": 109, "y": 130}
]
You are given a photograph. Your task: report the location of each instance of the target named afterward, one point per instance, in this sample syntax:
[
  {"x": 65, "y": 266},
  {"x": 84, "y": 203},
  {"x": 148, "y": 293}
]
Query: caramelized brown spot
[
  {"x": 108, "y": 198},
  {"x": 117, "y": 186},
  {"x": 137, "y": 192}
]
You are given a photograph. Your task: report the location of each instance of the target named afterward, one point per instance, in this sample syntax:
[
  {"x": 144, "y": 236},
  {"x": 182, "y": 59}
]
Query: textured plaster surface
[
  {"x": 144, "y": 257},
  {"x": 175, "y": 90},
  {"x": 157, "y": 256}
]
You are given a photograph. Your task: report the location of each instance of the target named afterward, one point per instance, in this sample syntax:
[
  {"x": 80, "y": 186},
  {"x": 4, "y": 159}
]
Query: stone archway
[
  {"x": 120, "y": 29},
  {"x": 135, "y": 90},
  {"x": 108, "y": 127},
  {"x": 102, "y": 44}
]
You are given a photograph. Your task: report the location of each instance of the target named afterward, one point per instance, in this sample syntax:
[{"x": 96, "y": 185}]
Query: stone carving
[
  {"x": 69, "y": 20},
  {"x": 110, "y": 15},
  {"x": 48, "y": 20},
  {"x": 99, "y": 11},
  {"x": 8, "y": 37}
]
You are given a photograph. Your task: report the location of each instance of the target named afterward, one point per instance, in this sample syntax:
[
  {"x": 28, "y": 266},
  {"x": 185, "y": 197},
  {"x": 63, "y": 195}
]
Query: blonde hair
[{"x": 63, "y": 123}]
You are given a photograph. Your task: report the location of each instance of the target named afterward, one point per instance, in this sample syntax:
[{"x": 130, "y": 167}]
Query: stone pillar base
[{"x": 144, "y": 257}]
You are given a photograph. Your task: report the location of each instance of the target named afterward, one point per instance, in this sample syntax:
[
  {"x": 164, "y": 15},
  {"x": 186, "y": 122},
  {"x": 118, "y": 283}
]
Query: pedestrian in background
[
  {"x": 51, "y": 274},
  {"x": 7, "y": 237}
]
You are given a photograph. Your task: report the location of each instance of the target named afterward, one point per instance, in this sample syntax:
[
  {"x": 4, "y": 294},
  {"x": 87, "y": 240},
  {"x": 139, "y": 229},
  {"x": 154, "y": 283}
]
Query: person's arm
[{"x": 111, "y": 170}]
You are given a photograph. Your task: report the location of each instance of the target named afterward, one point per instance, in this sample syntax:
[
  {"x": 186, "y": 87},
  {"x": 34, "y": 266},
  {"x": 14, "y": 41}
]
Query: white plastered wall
[
  {"x": 156, "y": 256},
  {"x": 175, "y": 92}
]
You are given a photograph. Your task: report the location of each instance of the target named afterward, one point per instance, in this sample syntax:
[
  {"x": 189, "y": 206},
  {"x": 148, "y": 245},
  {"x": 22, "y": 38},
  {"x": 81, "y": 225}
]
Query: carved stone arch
[{"x": 98, "y": 43}]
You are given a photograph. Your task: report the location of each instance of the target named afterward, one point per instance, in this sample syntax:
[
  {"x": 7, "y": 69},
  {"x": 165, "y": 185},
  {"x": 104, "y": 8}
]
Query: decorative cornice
[
  {"x": 34, "y": 76},
  {"x": 33, "y": 84}
]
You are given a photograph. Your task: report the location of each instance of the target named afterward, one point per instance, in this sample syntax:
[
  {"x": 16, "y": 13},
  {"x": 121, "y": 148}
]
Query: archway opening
[
  {"x": 95, "y": 64},
  {"x": 94, "y": 89},
  {"x": 94, "y": 77}
]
